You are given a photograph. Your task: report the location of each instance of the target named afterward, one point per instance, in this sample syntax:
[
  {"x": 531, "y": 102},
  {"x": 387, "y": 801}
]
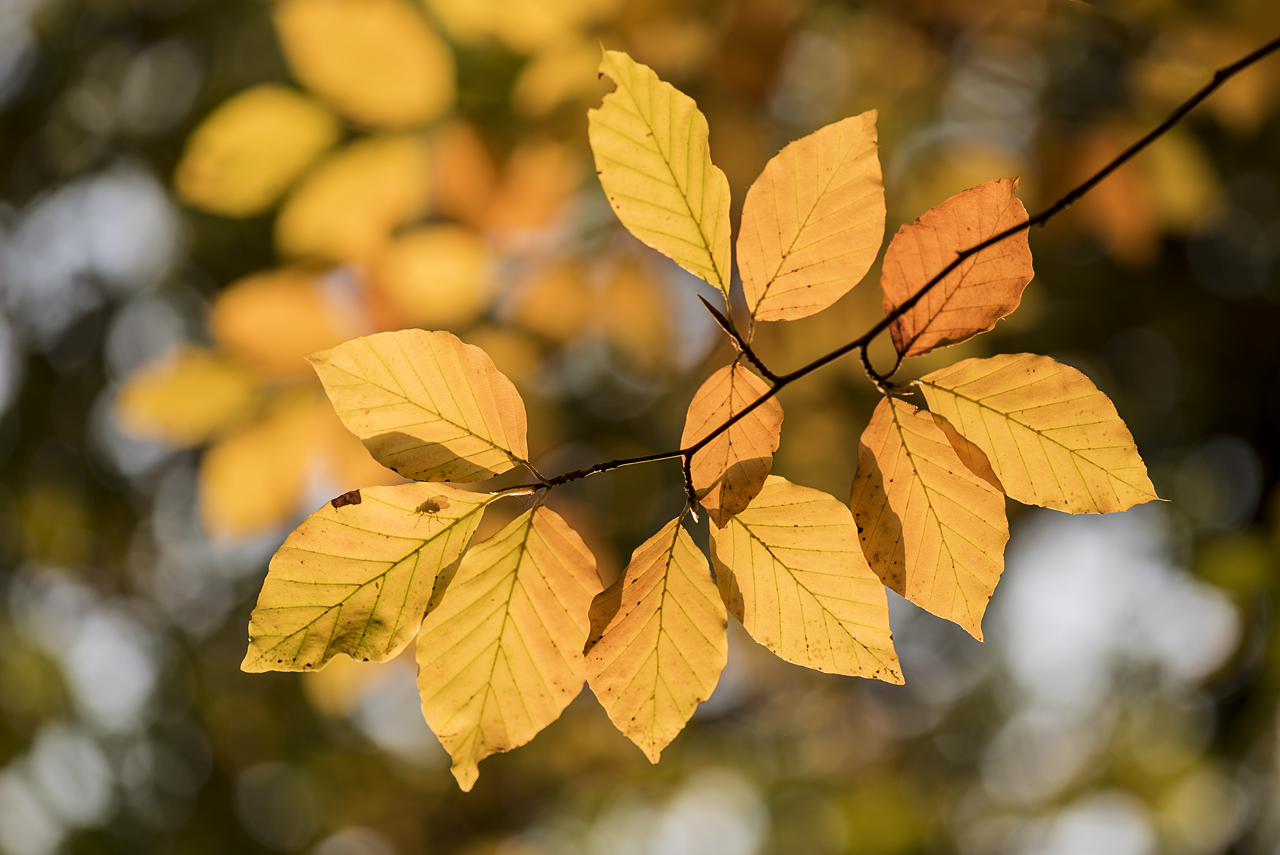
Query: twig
[{"x": 738, "y": 341}]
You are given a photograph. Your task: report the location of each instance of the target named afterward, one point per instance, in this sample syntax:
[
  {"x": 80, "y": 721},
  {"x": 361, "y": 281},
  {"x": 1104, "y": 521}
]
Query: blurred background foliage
[{"x": 195, "y": 193}]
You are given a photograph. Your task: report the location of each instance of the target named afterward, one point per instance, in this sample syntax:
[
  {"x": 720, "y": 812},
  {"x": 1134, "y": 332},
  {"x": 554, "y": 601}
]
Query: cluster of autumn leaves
[{"x": 514, "y": 624}]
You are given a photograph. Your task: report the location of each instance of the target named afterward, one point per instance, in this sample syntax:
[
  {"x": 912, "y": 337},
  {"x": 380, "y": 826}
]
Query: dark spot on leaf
[
  {"x": 431, "y": 506},
  {"x": 351, "y": 498}
]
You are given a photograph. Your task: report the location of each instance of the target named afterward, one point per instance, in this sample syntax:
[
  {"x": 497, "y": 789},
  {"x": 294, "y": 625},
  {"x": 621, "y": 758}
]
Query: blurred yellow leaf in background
[
  {"x": 435, "y": 277},
  {"x": 539, "y": 178},
  {"x": 272, "y": 319},
  {"x": 377, "y": 61},
  {"x": 248, "y": 151},
  {"x": 634, "y": 312},
  {"x": 184, "y": 398},
  {"x": 349, "y": 205},
  {"x": 555, "y": 304},
  {"x": 556, "y": 75}
]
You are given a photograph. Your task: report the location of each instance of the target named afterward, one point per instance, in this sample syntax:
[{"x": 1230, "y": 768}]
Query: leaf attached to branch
[
  {"x": 1050, "y": 435},
  {"x": 500, "y": 657},
  {"x": 657, "y": 643},
  {"x": 731, "y": 469},
  {"x": 426, "y": 405},
  {"x": 652, "y": 154},
  {"x": 982, "y": 290},
  {"x": 357, "y": 575},
  {"x": 931, "y": 529},
  {"x": 813, "y": 221},
  {"x": 790, "y": 568}
]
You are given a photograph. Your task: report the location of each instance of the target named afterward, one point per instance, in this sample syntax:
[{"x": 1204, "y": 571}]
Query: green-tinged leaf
[
  {"x": 658, "y": 642},
  {"x": 1052, "y": 438},
  {"x": 500, "y": 657},
  {"x": 813, "y": 221},
  {"x": 982, "y": 290},
  {"x": 790, "y": 569},
  {"x": 356, "y": 576},
  {"x": 730, "y": 470},
  {"x": 651, "y": 151},
  {"x": 931, "y": 529},
  {"x": 426, "y": 405}
]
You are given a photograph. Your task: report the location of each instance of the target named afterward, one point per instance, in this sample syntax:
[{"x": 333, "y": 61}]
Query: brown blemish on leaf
[{"x": 349, "y": 498}]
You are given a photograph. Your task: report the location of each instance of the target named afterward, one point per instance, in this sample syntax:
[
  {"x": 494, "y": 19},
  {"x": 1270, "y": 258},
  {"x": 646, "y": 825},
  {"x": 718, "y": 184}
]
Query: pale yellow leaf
[
  {"x": 731, "y": 469},
  {"x": 789, "y": 567},
  {"x": 246, "y": 152},
  {"x": 426, "y": 405},
  {"x": 437, "y": 276},
  {"x": 376, "y": 61},
  {"x": 1051, "y": 436},
  {"x": 970, "y": 455},
  {"x": 500, "y": 657},
  {"x": 658, "y": 641},
  {"x": 184, "y": 398},
  {"x": 813, "y": 221},
  {"x": 982, "y": 290},
  {"x": 930, "y": 528},
  {"x": 348, "y": 206},
  {"x": 651, "y": 151},
  {"x": 357, "y": 575},
  {"x": 272, "y": 319}
]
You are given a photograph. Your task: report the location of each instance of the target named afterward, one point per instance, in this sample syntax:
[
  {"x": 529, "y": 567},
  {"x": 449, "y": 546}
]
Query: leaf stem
[{"x": 739, "y": 342}]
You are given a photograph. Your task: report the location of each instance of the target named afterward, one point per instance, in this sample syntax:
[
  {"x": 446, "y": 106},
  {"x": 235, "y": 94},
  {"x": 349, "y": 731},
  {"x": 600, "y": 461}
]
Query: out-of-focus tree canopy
[{"x": 196, "y": 194}]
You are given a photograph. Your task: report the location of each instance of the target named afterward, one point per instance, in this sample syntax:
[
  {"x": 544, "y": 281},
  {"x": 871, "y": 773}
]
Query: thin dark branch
[
  {"x": 780, "y": 382},
  {"x": 738, "y": 341}
]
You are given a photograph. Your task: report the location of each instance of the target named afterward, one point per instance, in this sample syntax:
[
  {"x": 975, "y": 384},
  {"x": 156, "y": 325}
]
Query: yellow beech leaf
[
  {"x": 184, "y": 397},
  {"x": 790, "y": 569},
  {"x": 970, "y": 455},
  {"x": 931, "y": 529},
  {"x": 376, "y": 61},
  {"x": 651, "y": 151},
  {"x": 1052, "y": 438},
  {"x": 357, "y": 575},
  {"x": 731, "y": 469},
  {"x": 981, "y": 291},
  {"x": 500, "y": 657},
  {"x": 658, "y": 641},
  {"x": 273, "y": 319},
  {"x": 426, "y": 405},
  {"x": 350, "y": 204},
  {"x": 813, "y": 221},
  {"x": 437, "y": 277},
  {"x": 252, "y": 481},
  {"x": 246, "y": 152}
]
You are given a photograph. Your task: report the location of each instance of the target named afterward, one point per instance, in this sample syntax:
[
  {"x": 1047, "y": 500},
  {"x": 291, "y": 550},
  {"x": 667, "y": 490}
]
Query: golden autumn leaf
[
  {"x": 790, "y": 568},
  {"x": 272, "y": 319},
  {"x": 437, "y": 276},
  {"x": 376, "y": 61},
  {"x": 348, "y": 206},
  {"x": 933, "y": 531},
  {"x": 982, "y": 290},
  {"x": 658, "y": 641},
  {"x": 813, "y": 221},
  {"x": 426, "y": 405},
  {"x": 184, "y": 398},
  {"x": 500, "y": 656},
  {"x": 357, "y": 575},
  {"x": 970, "y": 455},
  {"x": 1050, "y": 435},
  {"x": 731, "y": 469},
  {"x": 246, "y": 153},
  {"x": 652, "y": 154}
]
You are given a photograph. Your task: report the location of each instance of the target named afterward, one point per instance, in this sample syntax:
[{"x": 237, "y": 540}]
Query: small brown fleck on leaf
[
  {"x": 432, "y": 506},
  {"x": 349, "y": 498}
]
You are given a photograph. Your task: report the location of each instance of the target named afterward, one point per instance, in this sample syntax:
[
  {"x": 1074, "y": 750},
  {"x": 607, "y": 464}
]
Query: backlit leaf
[
  {"x": 426, "y": 405},
  {"x": 377, "y": 61},
  {"x": 246, "y": 152},
  {"x": 184, "y": 398},
  {"x": 349, "y": 205},
  {"x": 436, "y": 277},
  {"x": 658, "y": 641},
  {"x": 357, "y": 575},
  {"x": 500, "y": 657},
  {"x": 931, "y": 529},
  {"x": 813, "y": 221},
  {"x": 271, "y": 320},
  {"x": 975, "y": 295},
  {"x": 731, "y": 469},
  {"x": 1052, "y": 438},
  {"x": 651, "y": 150},
  {"x": 789, "y": 567}
]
